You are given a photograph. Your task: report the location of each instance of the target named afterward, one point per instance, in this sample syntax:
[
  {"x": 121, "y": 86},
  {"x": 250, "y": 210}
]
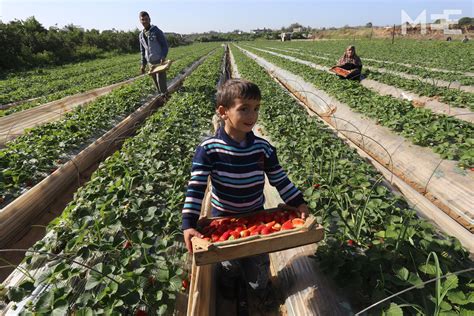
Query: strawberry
[
  {"x": 260, "y": 227},
  {"x": 268, "y": 218},
  {"x": 317, "y": 185},
  {"x": 225, "y": 236},
  {"x": 239, "y": 229},
  {"x": 127, "y": 244},
  {"x": 267, "y": 230},
  {"x": 140, "y": 312},
  {"x": 234, "y": 235},
  {"x": 350, "y": 242},
  {"x": 185, "y": 284},
  {"x": 152, "y": 280},
  {"x": 215, "y": 237},
  {"x": 297, "y": 222},
  {"x": 207, "y": 239},
  {"x": 255, "y": 232},
  {"x": 270, "y": 224},
  {"x": 287, "y": 225},
  {"x": 245, "y": 233},
  {"x": 276, "y": 227},
  {"x": 252, "y": 228}
]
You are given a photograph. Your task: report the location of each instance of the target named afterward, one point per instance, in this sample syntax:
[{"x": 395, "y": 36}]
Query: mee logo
[{"x": 444, "y": 21}]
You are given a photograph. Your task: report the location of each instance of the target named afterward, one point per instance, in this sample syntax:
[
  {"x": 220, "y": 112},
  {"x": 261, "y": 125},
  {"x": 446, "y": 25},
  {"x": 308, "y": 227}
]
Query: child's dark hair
[
  {"x": 236, "y": 89},
  {"x": 143, "y": 14}
]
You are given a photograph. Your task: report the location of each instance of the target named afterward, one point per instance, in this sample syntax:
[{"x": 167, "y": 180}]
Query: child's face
[{"x": 242, "y": 116}]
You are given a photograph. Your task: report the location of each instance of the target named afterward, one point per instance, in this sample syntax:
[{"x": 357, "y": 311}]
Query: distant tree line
[{"x": 27, "y": 44}]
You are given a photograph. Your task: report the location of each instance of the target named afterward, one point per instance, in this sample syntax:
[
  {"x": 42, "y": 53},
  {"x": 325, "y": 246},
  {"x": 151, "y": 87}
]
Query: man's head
[
  {"x": 145, "y": 19},
  {"x": 238, "y": 103}
]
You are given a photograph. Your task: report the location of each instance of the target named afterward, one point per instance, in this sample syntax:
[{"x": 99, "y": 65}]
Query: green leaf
[
  {"x": 402, "y": 273},
  {"x": 393, "y": 310},
  {"x": 93, "y": 280},
  {"x": 163, "y": 274},
  {"x": 457, "y": 297},
  {"x": 162, "y": 309},
  {"x": 15, "y": 294},
  {"x": 428, "y": 268}
]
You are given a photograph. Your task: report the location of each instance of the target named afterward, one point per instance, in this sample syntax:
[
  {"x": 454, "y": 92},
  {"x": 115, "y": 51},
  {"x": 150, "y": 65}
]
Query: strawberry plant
[
  {"x": 125, "y": 223},
  {"x": 375, "y": 244},
  {"x": 449, "y": 96},
  {"x": 29, "y": 158},
  {"x": 53, "y": 84},
  {"x": 450, "y": 137}
]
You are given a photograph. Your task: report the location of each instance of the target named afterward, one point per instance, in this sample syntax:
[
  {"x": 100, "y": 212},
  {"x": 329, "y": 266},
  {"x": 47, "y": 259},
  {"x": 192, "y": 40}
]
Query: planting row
[
  {"x": 450, "y": 137},
  {"x": 60, "y": 84},
  {"x": 453, "y": 97},
  {"x": 375, "y": 244},
  {"x": 29, "y": 158},
  {"x": 125, "y": 221},
  {"x": 454, "y": 77},
  {"x": 452, "y": 56}
]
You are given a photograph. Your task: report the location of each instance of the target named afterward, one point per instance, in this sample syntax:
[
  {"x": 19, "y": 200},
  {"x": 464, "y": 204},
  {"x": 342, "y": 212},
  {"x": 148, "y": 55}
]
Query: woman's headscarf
[{"x": 345, "y": 59}]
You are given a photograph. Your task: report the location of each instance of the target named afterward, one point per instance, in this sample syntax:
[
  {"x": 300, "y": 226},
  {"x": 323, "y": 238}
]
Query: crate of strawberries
[{"x": 227, "y": 238}]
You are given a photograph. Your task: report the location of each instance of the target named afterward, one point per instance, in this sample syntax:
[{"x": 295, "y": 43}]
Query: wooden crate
[
  {"x": 206, "y": 252},
  {"x": 341, "y": 71},
  {"x": 160, "y": 67}
]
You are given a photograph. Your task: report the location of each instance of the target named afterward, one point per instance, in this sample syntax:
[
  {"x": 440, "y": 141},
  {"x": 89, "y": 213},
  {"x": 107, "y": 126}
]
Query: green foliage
[
  {"x": 28, "y": 44},
  {"x": 450, "y": 137},
  {"x": 375, "y": 245},
  {"x": 31, "y": 157},
  {"x": 125, "y": 222}
]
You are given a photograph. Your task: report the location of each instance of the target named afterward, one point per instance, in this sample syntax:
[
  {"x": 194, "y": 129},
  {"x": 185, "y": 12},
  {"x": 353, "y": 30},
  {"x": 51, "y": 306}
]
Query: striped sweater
[{"x": 237, "y": 177}]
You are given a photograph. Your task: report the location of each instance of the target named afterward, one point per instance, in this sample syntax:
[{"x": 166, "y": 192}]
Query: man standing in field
[{"x": 154, "y": 49}]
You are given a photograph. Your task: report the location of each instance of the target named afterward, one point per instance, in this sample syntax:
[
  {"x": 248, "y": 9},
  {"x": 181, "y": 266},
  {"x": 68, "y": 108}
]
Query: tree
[
  {"x": 369, "y": 25},
  {"x": 466, "y": 21}
]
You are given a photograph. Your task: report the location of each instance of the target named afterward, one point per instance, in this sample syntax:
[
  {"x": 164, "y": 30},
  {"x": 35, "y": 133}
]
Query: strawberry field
[{"x": 117, "y": 246}]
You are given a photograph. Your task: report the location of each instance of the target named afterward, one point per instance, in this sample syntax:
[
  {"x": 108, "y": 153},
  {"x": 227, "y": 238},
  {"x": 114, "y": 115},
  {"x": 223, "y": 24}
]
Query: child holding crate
[{"x": 237, "y": 161}]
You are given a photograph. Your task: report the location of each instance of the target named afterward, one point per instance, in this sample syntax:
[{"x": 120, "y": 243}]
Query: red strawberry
[
  {"x": 297, "y": 222},
  {"x": 267, "y": 230},
  {"x": 317, "y": 185},
  {"x": 252, "y": 228},
  {"x": 234, "y": 235},
  {"x": 287, "y": 225},
  {"x": 270, "y": 224},
  {"x": 152, "y": 280},
  {"x": 127, "y": 244},
  {"x": 185, "y": 284},
  {"x": 225, "y": 236},
  {"x": 255, "y": 232},
  {"x": 350, "y": 242},
  {"x": 215, "y": 237},
  {"x": 277, "y": 227},
  {"x": 245, "y": 233},
  {"x": 140, "y": 312},
  {"x": 268, "y": 218}
]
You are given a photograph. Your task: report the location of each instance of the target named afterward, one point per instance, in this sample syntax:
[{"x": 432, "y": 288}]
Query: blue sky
[{"x": 188, "y": 16}]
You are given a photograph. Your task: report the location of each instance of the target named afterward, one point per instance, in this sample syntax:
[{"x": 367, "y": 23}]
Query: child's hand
[
  {"x": 303, "y": 209},
  {"x": 188, "y": 234}
]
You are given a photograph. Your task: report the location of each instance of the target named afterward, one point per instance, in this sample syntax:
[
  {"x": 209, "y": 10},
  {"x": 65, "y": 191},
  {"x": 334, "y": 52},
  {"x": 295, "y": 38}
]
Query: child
[{"x": 237, "y": 160}]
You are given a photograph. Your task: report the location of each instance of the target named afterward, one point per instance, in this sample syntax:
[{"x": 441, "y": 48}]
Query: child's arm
[
  {"x": 287, "y": 190},
  {"x": 195, "y": 194}
]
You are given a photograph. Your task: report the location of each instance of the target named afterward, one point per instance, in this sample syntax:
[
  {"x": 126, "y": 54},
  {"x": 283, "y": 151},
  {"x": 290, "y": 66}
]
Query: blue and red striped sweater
[{"x": 237, "y": 176}]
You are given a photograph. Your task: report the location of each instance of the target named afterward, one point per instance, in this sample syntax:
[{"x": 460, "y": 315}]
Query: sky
[{"x": 196, "y": 16}]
